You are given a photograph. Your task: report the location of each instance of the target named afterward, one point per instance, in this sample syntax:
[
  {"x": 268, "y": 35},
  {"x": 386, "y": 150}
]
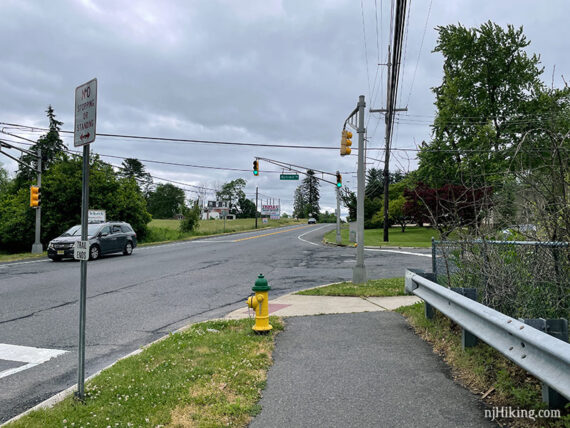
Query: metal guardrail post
[
  {"x": 557, "y": 328},
  {"x": 433, "y": 258},
  {"x": 468, "y": 339}
]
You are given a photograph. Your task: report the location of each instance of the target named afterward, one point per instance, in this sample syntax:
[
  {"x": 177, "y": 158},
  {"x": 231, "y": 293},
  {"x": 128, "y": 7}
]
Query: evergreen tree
[
  {"x": 299, "y": 202},
  {"x": 52, "y": 148},
  {"x": 134, "y": 168},
  {"x": 311, "y": 195}
]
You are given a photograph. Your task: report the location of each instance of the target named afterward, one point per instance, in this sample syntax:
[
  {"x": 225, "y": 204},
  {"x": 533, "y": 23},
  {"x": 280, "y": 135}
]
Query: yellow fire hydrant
[{"x": 260, "y": 304}]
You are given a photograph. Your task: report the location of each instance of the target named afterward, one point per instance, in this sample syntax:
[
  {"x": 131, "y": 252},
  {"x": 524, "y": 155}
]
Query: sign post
[{"x": 84, "y": 134}]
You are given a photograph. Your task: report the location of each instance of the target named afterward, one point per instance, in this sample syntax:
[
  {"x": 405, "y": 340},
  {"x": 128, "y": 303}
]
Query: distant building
[{"x": 216, "y": 210}]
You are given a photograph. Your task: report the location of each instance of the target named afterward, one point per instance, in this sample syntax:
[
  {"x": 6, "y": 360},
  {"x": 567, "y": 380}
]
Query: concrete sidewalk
[
  {"x": 292, "y": 305},
  {"x": 358, "y": 365}
]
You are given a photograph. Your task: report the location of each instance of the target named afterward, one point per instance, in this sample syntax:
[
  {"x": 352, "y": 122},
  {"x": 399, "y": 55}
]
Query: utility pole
[
  {"x": 389, "y": 111},
  {"x": 338, "y": 238},
  {"x": 37, "y": 247},
  {"x": 256, "y": 194},
  {"x": 359, "y": 271}
]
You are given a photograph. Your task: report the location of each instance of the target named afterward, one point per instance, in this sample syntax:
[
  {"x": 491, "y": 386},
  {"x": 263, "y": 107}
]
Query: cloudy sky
[{"x": 261, "y": 71}]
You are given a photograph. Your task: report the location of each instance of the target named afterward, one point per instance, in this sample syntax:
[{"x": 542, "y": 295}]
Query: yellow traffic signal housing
[
  {"x": 345, "y": 142},
  {"x": 34, "y": 196},
  {"x": 255, "y": 167}
]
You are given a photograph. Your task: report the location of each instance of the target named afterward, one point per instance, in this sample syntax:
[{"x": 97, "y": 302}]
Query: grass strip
[
  {"x": 482, "y": 368},
  {"x": 372, "y": 288},
  {"x": 168, "y": 230},
  {"x": 210, "y": 375},
  {"x": 412, "y": 237}
]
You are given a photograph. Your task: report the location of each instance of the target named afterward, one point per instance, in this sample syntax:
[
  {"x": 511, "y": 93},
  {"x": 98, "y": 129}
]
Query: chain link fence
[{"x": 519, "y": 279}]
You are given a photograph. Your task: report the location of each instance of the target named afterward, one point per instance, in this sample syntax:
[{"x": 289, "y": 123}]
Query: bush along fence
[
  {"x": 541, "y": 354},
  {"x": 520, "y": 279}
]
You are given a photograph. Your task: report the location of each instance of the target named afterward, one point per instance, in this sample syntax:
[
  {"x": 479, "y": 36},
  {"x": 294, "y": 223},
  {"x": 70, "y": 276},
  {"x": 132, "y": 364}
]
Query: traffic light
[
  {"x": 338, "y": 179},
  {"x": 34, "y": 196},
  {"x": 345, "y": 142},
  {"x": 255, "y": 167}
]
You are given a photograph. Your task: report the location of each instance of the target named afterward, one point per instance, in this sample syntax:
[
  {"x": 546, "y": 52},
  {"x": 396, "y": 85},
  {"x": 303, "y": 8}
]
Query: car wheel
[
  {"x": 94, "y": 252},
  {"x": 128, "y": 249}
]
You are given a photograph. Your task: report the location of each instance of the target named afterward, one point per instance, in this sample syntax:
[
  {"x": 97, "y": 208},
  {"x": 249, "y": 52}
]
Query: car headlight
[{"x": 50, "y": 245}]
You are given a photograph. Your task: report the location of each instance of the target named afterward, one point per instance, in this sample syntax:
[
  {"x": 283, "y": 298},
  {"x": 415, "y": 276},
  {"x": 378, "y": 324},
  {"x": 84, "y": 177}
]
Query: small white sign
[
  {"x": 85, "y": 113},
  {"x": 81, "y": 250},
  {"x": 96, "y": 216}
]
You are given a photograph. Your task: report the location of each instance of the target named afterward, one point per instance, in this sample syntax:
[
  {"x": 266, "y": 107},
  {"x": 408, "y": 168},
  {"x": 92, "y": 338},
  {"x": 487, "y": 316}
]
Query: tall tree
[
  {"x": 374, "y": 183},
  {"x": 488, "y": 80},
  {"x": 299, "y": 202},
  {"x": 232, "y": 192},
  {"x": 134, "y": 168},
  {"x": 4, "y": 180},
  {"x": 52, "y": 149},
  {"x": 166, "y": 201},
  {"x": 311, "y": 194}
]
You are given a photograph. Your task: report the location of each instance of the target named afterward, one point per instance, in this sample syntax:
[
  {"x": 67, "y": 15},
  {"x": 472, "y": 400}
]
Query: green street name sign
[{"x": 289, "y": 177}]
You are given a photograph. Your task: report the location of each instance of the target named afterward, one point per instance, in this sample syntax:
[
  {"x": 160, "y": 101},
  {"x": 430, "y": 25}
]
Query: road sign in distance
[
  {"x": 289, "y": 177},
  {"x": 85, "y": 113},
  {"x": 81, "y": 250}
]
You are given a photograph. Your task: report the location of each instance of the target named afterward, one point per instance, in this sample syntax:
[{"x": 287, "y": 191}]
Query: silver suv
[{"x": 104, "y": 238}]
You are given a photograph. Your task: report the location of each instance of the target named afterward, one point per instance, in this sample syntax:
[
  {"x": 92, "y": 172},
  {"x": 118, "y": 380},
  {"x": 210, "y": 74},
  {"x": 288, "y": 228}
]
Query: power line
[{"x": 179, "y": 140}]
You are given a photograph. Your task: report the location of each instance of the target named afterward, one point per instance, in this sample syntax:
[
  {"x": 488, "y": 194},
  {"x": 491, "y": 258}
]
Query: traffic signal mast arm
[{"x": 299, "y": 169}]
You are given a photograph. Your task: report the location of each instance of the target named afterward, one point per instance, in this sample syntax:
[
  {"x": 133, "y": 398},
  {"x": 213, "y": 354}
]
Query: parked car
[
  {"x": 312, "y": 221},
  {"x": 104, "y": 238}
]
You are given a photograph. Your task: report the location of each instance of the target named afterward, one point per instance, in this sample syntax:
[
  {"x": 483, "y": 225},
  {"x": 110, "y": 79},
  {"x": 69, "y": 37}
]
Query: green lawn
[
  {"x": 372, "y": 288},
  {"x": 412, "y": 237},
  {"x": 5, "y": 257},
  {"x": 167, "y": 230},
  {"x": 210, "y": 375}
]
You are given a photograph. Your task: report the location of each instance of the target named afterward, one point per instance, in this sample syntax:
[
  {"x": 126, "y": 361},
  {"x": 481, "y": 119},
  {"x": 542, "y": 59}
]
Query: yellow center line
[{"x": 272, "y": 233}]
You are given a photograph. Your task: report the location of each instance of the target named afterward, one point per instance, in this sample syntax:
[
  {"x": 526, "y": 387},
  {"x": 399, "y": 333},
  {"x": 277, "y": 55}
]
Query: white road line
[
  {"x": 400, "y": 252},
  {"x": 24, "y": 263},
  {"x": 313, "y": 230},
  {"x": 25, "y": 354}
]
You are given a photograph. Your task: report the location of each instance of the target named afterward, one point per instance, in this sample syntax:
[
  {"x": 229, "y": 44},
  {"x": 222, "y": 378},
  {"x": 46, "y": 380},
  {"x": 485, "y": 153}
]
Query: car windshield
[{"x": 92, "y": 229}]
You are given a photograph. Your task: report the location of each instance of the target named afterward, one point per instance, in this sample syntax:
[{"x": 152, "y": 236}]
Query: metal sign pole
[
  {"x": 84, "y": 134},
  {"x": 83, "y": 286}
]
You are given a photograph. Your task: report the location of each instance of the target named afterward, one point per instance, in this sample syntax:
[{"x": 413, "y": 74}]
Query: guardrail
[{"x": 543, "y": 356}]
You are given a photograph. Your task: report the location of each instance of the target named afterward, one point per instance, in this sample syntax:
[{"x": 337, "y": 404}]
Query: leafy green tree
[
  {"x": 4, "y": 180},
  {"x": 488, "y": 81},
  {"x": 52, "y": 149},
  {"x": 397, "y": 213},
  {"x": 246, "y": 208},
  {"x": 191, "y": 220},
  {"x": 61, "y": 197},
  {"x": 233, "y": 193},
  {"x": 16, "y": 221},
  {"x": 61, "y": 203},
  {"x": 327, "y": 217},
  {"x": 166, "y": 201}
]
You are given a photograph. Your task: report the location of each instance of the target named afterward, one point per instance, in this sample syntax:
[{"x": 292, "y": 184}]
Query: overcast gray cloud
[{"x": 275, "y": 72}]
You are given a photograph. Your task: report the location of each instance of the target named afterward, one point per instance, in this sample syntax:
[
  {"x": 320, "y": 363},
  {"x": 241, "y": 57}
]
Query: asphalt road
[{"x": 134, "y": 300}]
